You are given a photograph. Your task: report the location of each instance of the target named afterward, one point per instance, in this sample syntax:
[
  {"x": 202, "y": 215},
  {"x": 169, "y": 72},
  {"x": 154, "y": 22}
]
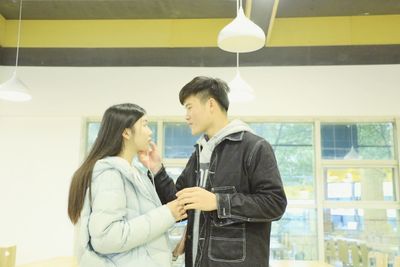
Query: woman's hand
[{"x": 177, "y": 210}]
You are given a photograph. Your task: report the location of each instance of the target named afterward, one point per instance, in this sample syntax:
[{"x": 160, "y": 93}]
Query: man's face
[{"x": 198, "y": 114}]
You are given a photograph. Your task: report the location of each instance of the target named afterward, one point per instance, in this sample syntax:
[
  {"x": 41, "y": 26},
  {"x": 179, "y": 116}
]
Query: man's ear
[{"x": 212, "y": 103}]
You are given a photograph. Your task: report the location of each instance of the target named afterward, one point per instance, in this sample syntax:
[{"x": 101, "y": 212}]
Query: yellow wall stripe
[
  {"x": 115, "y": 33},
  {"x": 272, "y": 20},
  {"x": 2, "y": 29},
  {"x": 356, "y": 30},
  {"x": 361, "y": 30},
  {"x": 379, "y": 30}
]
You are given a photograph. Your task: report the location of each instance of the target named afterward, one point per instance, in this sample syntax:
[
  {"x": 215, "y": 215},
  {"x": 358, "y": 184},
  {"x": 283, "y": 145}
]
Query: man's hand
[
  {"x": 197, "y": 198},
  {"x": 151, "y": 159}
]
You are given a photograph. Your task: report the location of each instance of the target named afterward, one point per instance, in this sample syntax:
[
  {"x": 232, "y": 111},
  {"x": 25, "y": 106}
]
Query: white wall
[
  {"x": 37, "y": 158},
  {"x": 40, "y": 141},
  {"x": 281, "y": 91}
]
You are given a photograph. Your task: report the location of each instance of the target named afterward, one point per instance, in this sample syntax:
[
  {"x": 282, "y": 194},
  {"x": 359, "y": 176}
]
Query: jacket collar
[
  {"x": 236, "y": 137},
  {"x": 133, "y": 175}
]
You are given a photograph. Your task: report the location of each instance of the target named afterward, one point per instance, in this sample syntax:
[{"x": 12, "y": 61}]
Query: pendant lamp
[
  {"x": 240, "y": 90},
  {"x": 14, "y": 89},
  {"x": 241, "y": 35}
]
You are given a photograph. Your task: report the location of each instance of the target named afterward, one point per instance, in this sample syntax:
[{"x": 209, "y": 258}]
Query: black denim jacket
[{"x": 244, "y": 176}]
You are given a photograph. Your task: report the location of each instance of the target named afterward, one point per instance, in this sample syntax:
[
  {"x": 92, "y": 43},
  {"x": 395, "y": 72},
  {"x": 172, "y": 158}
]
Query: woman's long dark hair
[{"x": 108, "y": 143}]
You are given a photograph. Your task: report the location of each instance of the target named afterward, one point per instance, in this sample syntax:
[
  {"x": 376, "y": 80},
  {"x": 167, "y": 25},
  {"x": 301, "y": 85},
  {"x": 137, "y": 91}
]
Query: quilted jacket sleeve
[{"x": 110, "y": 230}]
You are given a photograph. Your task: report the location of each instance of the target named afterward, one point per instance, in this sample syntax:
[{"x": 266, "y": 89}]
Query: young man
[{"x": 231, "y": 186}]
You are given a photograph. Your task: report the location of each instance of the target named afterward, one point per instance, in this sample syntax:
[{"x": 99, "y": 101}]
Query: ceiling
[
  {"x": 184, "y": 9},
  {"x": 119, "y": 9},
  {"x": 323, "y": 8},
  {"x": 300, "y": 32}
]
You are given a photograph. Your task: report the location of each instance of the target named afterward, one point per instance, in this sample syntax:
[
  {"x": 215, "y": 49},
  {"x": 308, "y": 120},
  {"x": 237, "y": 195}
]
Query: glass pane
[
  {"x": 92, "y": 131},
  {"x": 94, "y": 127},
  {"x": 366, "y": 184},
  {"x": 280, "y": 134},
  {"x": 359, "y": 231},
  {"x": 293, "y": 146},
  {"x": 294, "y": 237},
  {"x": 153, "y": 128},
  {"x": 178, "y": 139},
  {"x": 174, "y": 172},
  {"x": 373, "y": 141}
]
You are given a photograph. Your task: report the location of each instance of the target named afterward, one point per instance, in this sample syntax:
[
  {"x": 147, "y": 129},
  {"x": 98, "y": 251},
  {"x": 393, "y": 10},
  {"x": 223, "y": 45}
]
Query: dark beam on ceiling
[
  {"x": 203, "y": 57},
  {"x": 326, "y": 8},
  {"x": 118, "y": 9}
]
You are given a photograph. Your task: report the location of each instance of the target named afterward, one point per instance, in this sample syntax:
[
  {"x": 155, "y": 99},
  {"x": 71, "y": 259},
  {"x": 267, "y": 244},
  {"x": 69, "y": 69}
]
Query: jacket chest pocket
[{"x": 227, "y": 243}]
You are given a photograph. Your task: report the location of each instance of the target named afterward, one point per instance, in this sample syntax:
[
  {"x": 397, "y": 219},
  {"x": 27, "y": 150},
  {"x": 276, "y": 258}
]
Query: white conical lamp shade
[
  {"x": 240, "y": 90},
  {"x": 14, "y": 90},
  {"x": 241, "y": 35}
]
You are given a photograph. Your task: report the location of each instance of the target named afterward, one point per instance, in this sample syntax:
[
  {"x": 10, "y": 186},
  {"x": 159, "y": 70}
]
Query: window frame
[{"x": 319, "y": 164}]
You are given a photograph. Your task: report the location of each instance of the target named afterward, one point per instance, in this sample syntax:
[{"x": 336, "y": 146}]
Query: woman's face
[{"x": 141, "y": 134}]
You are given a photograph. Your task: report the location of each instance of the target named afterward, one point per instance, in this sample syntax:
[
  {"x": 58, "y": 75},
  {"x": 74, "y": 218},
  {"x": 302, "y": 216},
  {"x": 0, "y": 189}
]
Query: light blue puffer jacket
[{"x": 125, "y": 225}]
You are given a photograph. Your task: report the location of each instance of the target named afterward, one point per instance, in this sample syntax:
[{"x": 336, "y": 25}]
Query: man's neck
[{"x": 217, "y": 126}]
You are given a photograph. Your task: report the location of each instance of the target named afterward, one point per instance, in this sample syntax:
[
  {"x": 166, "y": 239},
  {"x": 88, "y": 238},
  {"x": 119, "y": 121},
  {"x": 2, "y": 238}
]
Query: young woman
[{"x": 118, "y": 216}]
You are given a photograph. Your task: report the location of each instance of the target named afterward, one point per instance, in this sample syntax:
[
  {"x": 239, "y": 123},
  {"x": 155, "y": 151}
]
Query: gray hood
[
  {"x": 234, "y": 126},
  {"x": 116, "y": 163}
]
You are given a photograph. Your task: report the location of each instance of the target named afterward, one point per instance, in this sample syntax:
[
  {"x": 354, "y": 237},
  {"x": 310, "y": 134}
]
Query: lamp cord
[
  {"x": 237, "y": 13},
  {"x": 238, "y": 6},
  {"x": 237, "y": 62},
  {"x": 19, "y": 32}
]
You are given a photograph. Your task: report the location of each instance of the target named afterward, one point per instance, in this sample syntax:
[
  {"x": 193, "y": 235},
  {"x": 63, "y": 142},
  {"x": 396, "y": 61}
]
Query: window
[
  {"x": 347, "y": 195},
  {"x": 373, "y": 141},
  {"x": 360, "y": 174},
  {"x": 92, "y": 131},
  {"x": 295, "y": 235},
  {"x": 355, "y": 184},
  {"x": 294, "y": 151},
  {"x": 371, "y": 229},
  {"x": 179, "y": 141},
  {"x": 174, "y": 172}
]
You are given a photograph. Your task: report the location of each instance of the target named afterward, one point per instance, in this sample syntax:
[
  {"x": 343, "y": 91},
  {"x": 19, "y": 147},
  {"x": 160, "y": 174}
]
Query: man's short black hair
[{"x": 205, "y": 88}]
